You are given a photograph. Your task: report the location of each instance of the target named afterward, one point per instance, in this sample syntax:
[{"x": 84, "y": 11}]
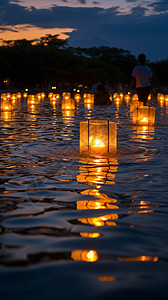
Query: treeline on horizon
[{"x": 24, "y": 64}]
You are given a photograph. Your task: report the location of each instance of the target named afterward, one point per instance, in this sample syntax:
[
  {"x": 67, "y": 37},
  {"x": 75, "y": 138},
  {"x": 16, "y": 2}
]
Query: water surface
[{"x": 75, "y": 226}]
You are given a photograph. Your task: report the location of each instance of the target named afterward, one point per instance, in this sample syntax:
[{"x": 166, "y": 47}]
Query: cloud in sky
[{"x": 97, "y": 26}]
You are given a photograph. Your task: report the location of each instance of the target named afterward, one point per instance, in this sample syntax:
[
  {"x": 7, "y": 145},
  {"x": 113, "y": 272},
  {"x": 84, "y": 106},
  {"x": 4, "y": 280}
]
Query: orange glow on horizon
[{"x": 31, "y": 32}]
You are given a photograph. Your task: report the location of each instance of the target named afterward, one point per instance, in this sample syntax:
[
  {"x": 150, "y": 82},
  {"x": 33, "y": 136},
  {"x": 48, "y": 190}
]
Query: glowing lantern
[
  {"x": 89, "y": 99},
  {"x": 135, "y": 97},
  {"x": 68, "y": 104},
  {"x": 50, "y": 95},
  {"x": 8, "y": 95},
  {"x": 149, "y": 97},
  {"x": 77, "y": 97},
  {"x": 144, "y": 115},
  {"x": 66, "y": 96},
  {"x": 111, "y": 97},
  {"x": 18, "y": 95},
  {"x": 117, "y": 101},
  {"x": 121, "y": 95},
  {"x": 25, "y": 95},
  {"x": 43, "y": 95},
  {"x": 127, "y": 98},
  {"x": 134, "y": 104},
  {"x": 166, "y": 97},
  {"x": 160, "y": 96},
  {"x": 98, "y": 136},
  {"x": 6, "y": 105},
  {"x": 115, "y": 95}
]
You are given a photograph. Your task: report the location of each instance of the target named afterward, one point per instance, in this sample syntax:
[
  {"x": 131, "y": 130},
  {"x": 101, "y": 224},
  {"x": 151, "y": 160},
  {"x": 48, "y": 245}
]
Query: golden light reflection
[
  {"x": 138, "y": 258},
  {"x": 107, "y": 278},
  {"x": 84, "y": 255},
  {"x": 97, "y": 172},
  {"x": 103, "y": 220},
  {"x": 92, "y": 235},
  {"x": 144, "y": 132},
  {"x": 6, "y": 116},
  {"x": 103, "y": 202}
]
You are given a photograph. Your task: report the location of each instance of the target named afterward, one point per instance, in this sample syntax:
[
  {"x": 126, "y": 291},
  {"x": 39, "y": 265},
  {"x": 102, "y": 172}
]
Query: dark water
[{"x": 78, "y": 227}]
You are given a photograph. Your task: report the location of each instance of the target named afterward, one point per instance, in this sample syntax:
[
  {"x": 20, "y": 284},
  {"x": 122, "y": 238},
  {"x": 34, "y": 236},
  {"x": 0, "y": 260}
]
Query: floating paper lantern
[
  {"x": 127, "y": 98},
  {"x": 77, "y": 97},
  {"x": 144, "y": 115},
  {"x": 134, "y": 104},
  {"x": 135, "y": 97},
  {"x": 98, "y": 136},
  {"x": 166, "y": 97},
  {"x": 18, "y": 95},
  {"x": 66, "y": 96},
  {"x": 68, "y": 104},
  {"x": 6, "y": 104},
  {"x": 89, "y": 99},
  {"x": 25, "y": 95}
]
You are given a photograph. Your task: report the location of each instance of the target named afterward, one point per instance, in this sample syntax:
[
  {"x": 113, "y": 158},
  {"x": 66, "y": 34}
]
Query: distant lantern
[
  {"x": 166, "y": 97},
  {"x": 89, "y": 99},
  {"x": 144, "y": 115},
  {"x": 19, "y": 95},
  {"x": 135, "y": 104},
  {"x": 66, "y": 95},
  {"x": 68, "y": 104},
  {"x": 127, "y": 98},
  {"x": 98, "y": 136},
  {"x": 25, "y": 95},
  {"x": 77, "y": 97},
  {"x": 135, "y": 97},
  {"x": 6, "y": 105}
]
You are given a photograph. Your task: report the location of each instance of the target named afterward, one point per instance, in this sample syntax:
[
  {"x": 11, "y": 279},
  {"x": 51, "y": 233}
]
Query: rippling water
[{"x": 79, "y": 227}]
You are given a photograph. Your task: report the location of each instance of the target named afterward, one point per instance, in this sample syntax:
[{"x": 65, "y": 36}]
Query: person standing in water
[{"x": 142, "y": 77}]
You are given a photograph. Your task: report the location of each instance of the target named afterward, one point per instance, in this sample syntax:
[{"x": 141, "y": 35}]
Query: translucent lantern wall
[
  {"x": 68, "y": 104},
  {"x": 98, "y": 136},
  {"x": 144, "y": 115}
]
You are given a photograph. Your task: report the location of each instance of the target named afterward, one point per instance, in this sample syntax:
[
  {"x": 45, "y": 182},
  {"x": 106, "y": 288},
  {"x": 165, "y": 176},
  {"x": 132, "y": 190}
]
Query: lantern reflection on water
[
  {"x": 97, "y": 172},
  {"x": 98, "y": 136},
  {"x": 84, "y": 255},
  {"x": 144, "y": 115},
  {"x": 144, "y": 132}
]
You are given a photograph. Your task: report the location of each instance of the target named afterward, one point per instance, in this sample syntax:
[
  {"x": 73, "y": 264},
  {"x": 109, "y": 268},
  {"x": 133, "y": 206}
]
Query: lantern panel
[
  {"x": 144, "y": 115},
  {"x": 98, "y": 136}
]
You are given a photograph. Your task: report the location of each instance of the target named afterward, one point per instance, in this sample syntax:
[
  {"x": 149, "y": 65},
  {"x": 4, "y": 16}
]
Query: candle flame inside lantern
[
  {"x": 98, "y": 143},
  {"x": 144, "y": 120}
]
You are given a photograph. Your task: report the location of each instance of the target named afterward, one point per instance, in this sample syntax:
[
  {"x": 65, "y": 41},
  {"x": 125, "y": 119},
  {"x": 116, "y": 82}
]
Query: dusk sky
[{"x": 134, "y": 25}]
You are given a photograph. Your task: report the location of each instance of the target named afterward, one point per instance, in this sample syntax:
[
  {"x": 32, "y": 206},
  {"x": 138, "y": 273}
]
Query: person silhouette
[
  {"x": 101, "y": 97},
  {"x": 142, "y": 77}
]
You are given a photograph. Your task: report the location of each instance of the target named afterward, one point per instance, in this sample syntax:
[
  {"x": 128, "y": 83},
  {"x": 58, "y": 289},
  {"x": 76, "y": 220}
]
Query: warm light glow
[
  {"x": 138, "y": 258},
  {"x": 104, "y": 220},
  {"x": 91, "y": 235},
  {"x": 98, "y": 136},
  {"x": 84, "y": 255},
  {"x": 107, "y": 278}
]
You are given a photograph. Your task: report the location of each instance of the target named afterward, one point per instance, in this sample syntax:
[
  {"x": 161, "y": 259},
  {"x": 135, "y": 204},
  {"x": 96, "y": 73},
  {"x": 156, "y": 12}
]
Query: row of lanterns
[{"x": 96, "y": 136}]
